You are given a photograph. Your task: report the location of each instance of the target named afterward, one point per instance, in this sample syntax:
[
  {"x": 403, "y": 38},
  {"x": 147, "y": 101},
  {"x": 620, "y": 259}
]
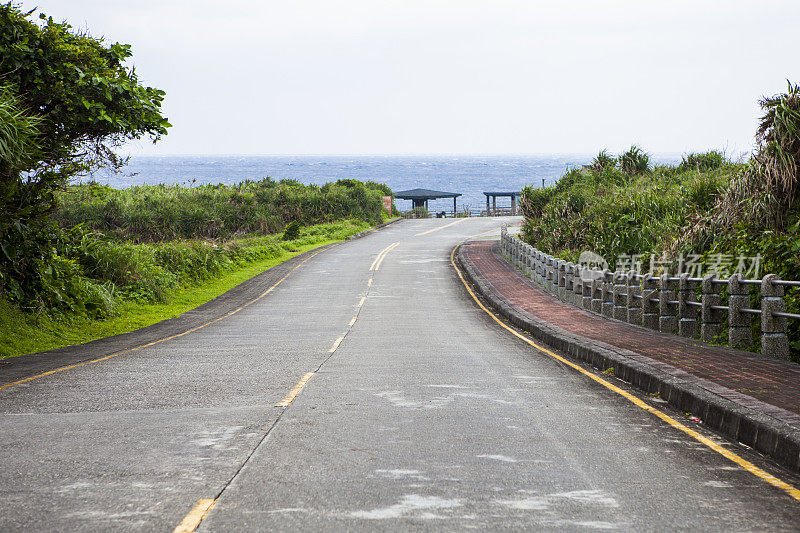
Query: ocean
[{"x": 468, "y": 175}]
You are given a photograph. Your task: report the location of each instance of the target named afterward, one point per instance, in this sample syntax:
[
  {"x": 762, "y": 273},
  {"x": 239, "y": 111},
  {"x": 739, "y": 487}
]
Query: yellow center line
[
  {"x": 295, "y": 391},
  {"x": 192, "y": 520},
  {"x": 153, "y": 343},
  {"x": 440, "y": 227},
  {"x": 352, "y": 321},
  {"x": 361, "y": 302},
  {"x": 380, "y": 254},
  {"x": 380, "y": 261},
  {"x": 750, "y": 467},
  {"x": 336, "y": 344},
  {"x": 369, "y": 282},
  {"x": 376, "y": 263}
]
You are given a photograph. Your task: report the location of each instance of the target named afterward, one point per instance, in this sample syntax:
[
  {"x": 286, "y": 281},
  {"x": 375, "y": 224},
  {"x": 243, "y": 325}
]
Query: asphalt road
[{"x": 421, "y": 414}]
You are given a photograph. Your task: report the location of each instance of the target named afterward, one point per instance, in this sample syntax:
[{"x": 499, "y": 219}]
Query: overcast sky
[{"x": 451, "y": 77}]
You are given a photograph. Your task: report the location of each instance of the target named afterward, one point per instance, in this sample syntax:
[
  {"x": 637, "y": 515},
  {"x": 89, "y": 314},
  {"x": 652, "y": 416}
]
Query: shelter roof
[
  {"x": 514, "y": 193},
  {"x": 424, "y": 194}
]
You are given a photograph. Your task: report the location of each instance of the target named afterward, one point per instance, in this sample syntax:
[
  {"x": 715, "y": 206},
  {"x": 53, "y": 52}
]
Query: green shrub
[
  {"x": 603, "y": 161},
  {"x": 533, "y": 200},
  {"x": 292, "y": 231},
  {"x": 703, "y": 191},
  {"x": 711, "y": 160},
  {"x": 634, "y": 162}
]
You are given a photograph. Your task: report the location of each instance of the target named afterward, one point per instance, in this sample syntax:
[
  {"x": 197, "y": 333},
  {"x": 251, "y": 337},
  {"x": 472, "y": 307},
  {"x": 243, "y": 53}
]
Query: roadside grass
[{"x": 24, "y": 333}]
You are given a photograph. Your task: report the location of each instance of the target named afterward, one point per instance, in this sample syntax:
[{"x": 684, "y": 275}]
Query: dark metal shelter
[
  {"x": 494, "y": 195},
  {"x": 420, "y": 197}
]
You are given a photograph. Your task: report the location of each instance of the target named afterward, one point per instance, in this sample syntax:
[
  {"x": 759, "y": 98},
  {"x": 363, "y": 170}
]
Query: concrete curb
[
  {"x": 376, "y": 228},
  {"x": 741, "y": 418}
]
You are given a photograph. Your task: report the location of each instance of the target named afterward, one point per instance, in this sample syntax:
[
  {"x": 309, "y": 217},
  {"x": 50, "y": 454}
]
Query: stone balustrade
[{"x": 666, "y": 304}]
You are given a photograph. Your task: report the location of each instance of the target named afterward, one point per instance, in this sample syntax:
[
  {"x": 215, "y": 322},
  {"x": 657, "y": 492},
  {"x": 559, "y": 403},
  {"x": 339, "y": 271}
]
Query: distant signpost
[{"x": 387, "y": 203}]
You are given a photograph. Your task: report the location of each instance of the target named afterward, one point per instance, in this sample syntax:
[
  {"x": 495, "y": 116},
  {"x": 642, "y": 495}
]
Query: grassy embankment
[
  {"x": 145, "y": 254},
  {"x": 706, "y": 210}
]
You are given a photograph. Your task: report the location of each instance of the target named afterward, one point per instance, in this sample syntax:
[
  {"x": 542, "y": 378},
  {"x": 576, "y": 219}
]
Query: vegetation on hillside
[{"x": 715, "y": 213}]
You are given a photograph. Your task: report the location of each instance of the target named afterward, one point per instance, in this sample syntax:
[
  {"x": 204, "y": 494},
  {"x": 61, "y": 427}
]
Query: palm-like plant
[
  {"x": 18, "y": 148},
  {"x": 778, "y": 154},
  {"x": 634, "y": 161},
  {"x": 603, "y": 161},
  {"x": 17, "y": 133}
]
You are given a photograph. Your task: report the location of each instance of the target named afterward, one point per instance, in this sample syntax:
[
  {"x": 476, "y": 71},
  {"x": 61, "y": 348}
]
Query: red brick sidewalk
[{"x": 737, "y": 375}]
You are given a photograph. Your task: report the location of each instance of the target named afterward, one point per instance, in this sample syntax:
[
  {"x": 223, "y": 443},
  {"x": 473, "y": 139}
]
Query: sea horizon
[{"x": 467, "y": 174}]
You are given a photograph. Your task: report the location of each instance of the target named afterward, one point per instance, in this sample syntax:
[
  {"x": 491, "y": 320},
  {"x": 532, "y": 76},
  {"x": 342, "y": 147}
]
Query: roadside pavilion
[
  {"x": 493, "y": 211},
  {"x": 420, "y": 197}
]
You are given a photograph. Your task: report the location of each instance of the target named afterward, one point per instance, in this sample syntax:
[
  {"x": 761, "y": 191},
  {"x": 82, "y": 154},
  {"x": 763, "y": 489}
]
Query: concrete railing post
[
  {"x": 545, "y": 270},
  {"x": 668, "y": 312},
  {"x": 551, "y": 272},
  {"x": 568, "y": 279},
  {"x": 687, "y": 314},
  {"x": 587, "y": 281},
  {"x": 540, "y": 267},
  {"x": 608, "y": 294},
  {"x": 597, "y": 292},
  {"x": 620, "y": 296},
  {"x": 774, "y": 342},
  {"x": 711, "y": 318},
  {"x": 529, "y": 260},
  {"x": 649, "y": 308},
  {"x": 562, "y": 280},
  {"x": 554, "y": 285},
  {"x": 739, "y": 334},
  {"x": 633, "y": 304},
  {"x": 577, "y": 285}
]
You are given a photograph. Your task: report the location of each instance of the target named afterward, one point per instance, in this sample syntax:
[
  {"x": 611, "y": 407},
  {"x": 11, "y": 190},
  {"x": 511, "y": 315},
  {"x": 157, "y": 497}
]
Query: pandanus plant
[{"x": 778, "y": 155}]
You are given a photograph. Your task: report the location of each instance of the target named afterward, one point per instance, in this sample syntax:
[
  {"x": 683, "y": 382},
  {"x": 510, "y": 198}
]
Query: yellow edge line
[
  {"x": 369, "y": 282},
  {"x": 129, "y": 350},
  {"x": 440, "y": 227},
  {"x": 747, "y": 465},
  {"x": 353, "y": 321},
  {"x": 361, "y": 302},
  {"x": 192, "y": 520},
  {"x": 295, "y": 391},
  {"x": 380, "y": 261}
]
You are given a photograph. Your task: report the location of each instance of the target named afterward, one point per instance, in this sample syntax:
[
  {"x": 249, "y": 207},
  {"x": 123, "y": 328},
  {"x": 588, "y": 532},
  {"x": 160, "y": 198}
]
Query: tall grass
[{"x": 151, "y": 213}]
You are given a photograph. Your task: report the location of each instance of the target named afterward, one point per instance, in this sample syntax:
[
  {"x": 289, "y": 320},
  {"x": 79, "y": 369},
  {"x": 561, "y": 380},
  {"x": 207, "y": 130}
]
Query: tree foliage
[
  {"x": 80, "y": 100},
  {"x": 67, "y": 100}
]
